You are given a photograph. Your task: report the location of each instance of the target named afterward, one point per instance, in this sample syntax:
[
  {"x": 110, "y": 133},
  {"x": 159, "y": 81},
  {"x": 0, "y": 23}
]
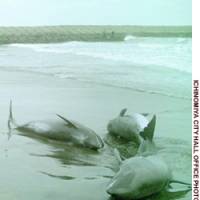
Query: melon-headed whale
[
  {"x": 61, "y": 129},
  {"x": 143, "y": 175},
  {"x": 131, "y": 127},
  {"x": 140, "y": 177}
]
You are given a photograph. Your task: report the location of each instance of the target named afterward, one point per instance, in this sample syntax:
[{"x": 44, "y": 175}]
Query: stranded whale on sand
[
  {"x": 61, "y": 129},
  {"x": 142, "y": 175},
  {"x": 131, "y": 127}
]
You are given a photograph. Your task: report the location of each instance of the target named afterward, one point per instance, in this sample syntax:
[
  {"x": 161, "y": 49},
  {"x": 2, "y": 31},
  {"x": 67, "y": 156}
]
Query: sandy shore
[{"x": 36, "y": 96}]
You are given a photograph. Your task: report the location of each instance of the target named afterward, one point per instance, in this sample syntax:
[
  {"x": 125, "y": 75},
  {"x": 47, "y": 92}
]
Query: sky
[{"x": 95, "y": 12}]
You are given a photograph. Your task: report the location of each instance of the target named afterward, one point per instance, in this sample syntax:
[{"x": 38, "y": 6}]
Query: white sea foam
[{"x": 129, "y": 38}]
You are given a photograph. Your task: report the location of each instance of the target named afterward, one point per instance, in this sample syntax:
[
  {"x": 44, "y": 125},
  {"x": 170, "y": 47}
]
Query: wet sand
[{"x": 36, "y": 96}]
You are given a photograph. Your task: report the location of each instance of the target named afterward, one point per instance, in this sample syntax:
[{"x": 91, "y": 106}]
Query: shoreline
[
  {"x": 41, "y": 96},
  {"x": 106, "y": 85}
]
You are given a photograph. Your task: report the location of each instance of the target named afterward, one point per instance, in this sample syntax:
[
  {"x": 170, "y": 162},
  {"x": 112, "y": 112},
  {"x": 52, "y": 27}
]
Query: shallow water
[{"x": 103, "y": 79}]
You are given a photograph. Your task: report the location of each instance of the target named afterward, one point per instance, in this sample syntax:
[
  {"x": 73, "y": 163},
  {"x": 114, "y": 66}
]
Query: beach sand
[{"x": 36, "y": 96}]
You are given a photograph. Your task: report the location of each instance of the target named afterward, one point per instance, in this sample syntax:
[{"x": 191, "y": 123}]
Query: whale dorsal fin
[
  {"x": 148, "y": 132},
  {"x": 68, "y": 121},
  {"x": 122, "y": 112}
]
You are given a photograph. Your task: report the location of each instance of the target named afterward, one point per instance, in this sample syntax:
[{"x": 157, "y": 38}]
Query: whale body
[
  {"x": 61, "y": 129},
  {"x": 140, "y": 177},
  {"x": 143, "y": 175},
  {"x": 130, "y": 127}
]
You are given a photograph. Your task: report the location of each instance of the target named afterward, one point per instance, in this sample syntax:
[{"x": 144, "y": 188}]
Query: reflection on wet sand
[
  {"x": 76, "y": 156},
  {"x": 70, "y": 154}
]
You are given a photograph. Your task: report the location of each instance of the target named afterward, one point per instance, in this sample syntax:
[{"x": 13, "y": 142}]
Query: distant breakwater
[{"x": 56, "y": 34}]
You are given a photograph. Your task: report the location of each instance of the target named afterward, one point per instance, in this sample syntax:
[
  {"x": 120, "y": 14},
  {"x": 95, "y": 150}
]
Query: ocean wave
[
  {"x": 154, "y": 65},
  {"x": 129, "y": 38},
  {"x": 159, "y": 52}
]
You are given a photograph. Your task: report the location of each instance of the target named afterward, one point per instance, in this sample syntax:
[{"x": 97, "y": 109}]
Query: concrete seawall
[{"x": 52, "y": 34}]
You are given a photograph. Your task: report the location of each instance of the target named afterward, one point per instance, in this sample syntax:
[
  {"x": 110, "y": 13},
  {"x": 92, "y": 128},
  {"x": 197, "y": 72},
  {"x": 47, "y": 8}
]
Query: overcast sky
[{"x": 94, "y": 12}]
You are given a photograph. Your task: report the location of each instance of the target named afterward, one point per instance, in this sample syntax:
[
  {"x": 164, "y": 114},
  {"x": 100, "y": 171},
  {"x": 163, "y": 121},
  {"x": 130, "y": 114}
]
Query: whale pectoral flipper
[
  {"x": 148, "y": 132},
  {"x": 171, "y": 189},
  {"x": 68, "y": 122},
  {"x": 122, "y": 112},
  {"x": 117, "y": 155},
  {"x": 180, "y": 182}
]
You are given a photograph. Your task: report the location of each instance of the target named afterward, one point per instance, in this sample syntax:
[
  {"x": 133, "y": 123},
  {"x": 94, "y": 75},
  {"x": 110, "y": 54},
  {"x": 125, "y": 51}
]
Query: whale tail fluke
[
  {"x": 148, "y": 132},
  {"x": 11, "y": 121}
]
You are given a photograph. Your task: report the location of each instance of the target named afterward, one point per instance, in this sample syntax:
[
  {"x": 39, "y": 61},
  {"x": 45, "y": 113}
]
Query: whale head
[
  {"x": 139, "y": 177},
  {"x": 94, "y": 141},
  {"x": 114, "y": 124},
  {"x": 83, "y": 135},
  {"x": 122, "y": 185},
  {"x": 124, "y": 127}
]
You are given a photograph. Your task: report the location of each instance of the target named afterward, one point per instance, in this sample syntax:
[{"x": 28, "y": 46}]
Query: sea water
[{"x": 152, "y": 65}]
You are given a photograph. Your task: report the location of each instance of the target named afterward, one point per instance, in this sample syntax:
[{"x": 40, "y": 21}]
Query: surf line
[{"x": 195, "y": 142}]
